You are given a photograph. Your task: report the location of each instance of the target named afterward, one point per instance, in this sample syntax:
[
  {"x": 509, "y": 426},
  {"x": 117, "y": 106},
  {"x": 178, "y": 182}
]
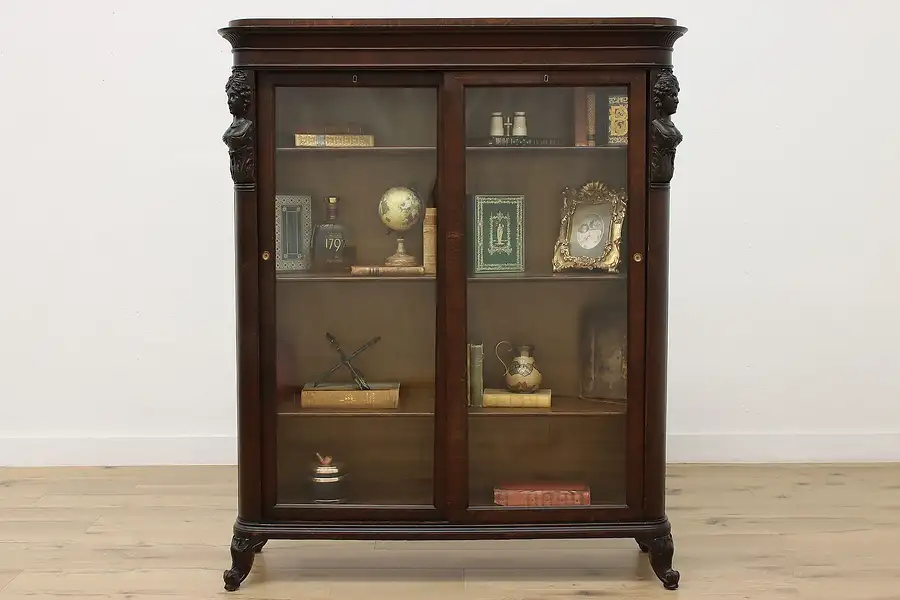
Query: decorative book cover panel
[
  {"x": 499, "y": 234},
  {"x": 293, "y": 233},
  {"x": 618, "y": 120}
]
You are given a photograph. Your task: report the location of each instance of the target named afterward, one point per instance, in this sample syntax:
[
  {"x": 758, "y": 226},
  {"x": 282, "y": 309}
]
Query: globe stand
[{"x": 400, "y": 258}]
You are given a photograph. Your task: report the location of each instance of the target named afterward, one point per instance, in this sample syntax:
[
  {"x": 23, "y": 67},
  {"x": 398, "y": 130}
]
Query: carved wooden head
[
  {"x": 665, "y": 93},
  {"x": 239, "y": 93}
]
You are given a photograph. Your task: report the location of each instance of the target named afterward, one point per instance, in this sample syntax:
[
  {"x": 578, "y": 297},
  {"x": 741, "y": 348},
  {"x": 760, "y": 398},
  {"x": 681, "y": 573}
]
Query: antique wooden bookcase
[{"x": 547, "y": 231}]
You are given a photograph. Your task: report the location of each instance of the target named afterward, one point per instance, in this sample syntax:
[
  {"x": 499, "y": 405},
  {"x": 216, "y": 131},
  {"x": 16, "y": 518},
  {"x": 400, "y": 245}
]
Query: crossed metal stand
[{"x": 358, "y": 378}]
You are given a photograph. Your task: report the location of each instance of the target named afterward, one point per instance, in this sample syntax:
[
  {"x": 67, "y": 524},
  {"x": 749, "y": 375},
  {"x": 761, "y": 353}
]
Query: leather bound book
[
  {"x": 429, "y": 244},
  {"x": 496, "y": 398},
  {"x": 542, "y": 494},
  {"x": 476, "y": 382},
  {"x": 580, "y": 120}
]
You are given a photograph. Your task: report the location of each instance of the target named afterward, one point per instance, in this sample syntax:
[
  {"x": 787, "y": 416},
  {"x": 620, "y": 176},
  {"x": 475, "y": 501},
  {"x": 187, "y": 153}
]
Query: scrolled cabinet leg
[
  {"x": 258, "y": 546},
  {"x": 662, "y": 550},
  {"x": 644, "y": 547},
  {"x": 243, "y": 549}
]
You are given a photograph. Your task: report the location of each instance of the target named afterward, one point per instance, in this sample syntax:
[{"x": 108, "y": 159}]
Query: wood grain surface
[{"x": 741, "y": 532}]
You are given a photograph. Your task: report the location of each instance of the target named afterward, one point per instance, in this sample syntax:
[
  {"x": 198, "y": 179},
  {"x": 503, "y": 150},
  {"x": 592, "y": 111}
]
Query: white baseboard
[
  {"x": 117, "y": 451},
  {"x": 782, "y": 447},
  {"x": 222, "y": 450}
]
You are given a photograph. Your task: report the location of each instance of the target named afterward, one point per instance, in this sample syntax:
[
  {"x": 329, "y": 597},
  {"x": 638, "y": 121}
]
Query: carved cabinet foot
[
  {"x": 258, "y": 546},
  {"x": 662, "y": 550},
  {"x": 644, "y": 547},
  {"x": 243, "y": 550}
]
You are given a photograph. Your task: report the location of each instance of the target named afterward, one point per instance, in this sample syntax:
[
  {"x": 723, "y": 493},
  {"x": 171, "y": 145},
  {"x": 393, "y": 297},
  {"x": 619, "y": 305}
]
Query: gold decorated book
[
  {"x": 494, "y": 398},
  {"x": 429, "y": 247},
  {"x": 382, "y": 395},
  {"x": 333, "y": 140},
  {"x": 386, "y": 271}
]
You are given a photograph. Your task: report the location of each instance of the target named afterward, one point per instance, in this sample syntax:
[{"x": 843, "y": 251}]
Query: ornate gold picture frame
[{"x": 590, "y": 229}]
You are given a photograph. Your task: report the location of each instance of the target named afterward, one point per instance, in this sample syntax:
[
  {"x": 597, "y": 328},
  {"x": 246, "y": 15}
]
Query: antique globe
[{"x": 400, "y": 208}]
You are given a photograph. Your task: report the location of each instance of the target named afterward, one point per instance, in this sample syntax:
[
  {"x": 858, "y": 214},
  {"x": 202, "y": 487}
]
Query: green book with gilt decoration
[{"x": 497, "y": 233}]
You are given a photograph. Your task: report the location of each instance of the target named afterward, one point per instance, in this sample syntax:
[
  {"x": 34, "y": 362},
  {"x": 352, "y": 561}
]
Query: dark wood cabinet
[{"x": 452, "y": 279}]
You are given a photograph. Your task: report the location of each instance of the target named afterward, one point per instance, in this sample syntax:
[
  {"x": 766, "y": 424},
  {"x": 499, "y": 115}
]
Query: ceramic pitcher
[{"x": 521, "y": 375}]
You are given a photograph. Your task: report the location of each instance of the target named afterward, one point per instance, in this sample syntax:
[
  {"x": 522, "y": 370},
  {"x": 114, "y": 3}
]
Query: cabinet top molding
[
  {"x": 438, "y": 23},
  {"x": 610, "y": 35}
]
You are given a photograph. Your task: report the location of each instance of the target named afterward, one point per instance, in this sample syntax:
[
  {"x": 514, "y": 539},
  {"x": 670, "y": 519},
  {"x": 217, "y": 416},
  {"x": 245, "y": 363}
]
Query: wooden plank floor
[{"x": 741, "y": 532}]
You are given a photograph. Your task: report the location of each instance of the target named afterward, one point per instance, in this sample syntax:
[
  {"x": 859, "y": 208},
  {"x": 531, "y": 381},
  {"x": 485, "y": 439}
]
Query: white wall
[{"x": 116, "y": 239}]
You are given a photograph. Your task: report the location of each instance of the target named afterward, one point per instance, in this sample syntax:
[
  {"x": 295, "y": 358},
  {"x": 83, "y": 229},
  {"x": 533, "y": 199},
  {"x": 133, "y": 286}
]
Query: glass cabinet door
[
  {"x": 547, "y": 187},
  {"x": 354, "y": 260}
]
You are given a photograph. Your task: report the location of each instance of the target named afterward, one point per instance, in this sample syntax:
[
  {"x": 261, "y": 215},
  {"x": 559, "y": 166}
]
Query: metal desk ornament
[
  {"x": 358, "y": 378},
  {"x": 357, "y": 395}
]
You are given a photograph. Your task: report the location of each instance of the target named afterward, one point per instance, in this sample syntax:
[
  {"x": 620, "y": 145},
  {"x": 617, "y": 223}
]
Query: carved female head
[
  {"x": 665, "y": 93},
  {"x": 239, "y": 93}
]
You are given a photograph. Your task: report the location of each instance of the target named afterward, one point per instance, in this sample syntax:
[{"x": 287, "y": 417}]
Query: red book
[{"x": 542, "y": 494}]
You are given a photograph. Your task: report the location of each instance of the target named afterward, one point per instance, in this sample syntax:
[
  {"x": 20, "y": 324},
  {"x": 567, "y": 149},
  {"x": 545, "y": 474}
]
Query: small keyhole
[
  {"x": 546, "y": 78},
  {"x": 355, "y": 79}
]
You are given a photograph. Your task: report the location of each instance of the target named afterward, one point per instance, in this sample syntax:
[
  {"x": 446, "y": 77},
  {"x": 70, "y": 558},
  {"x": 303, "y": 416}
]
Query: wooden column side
[
  {"x": 656, "y": 356},
  {"x": 663, "y": 138},
  {"x": 247, "y": 313},
  {"x": 452, "y": 278}
]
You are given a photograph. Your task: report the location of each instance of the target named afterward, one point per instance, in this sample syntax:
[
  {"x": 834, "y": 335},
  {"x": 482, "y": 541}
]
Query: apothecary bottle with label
[{"x": 330, "y": 240}]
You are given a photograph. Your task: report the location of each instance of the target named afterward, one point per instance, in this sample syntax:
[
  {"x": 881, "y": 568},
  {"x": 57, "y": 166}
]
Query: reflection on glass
[
  {"x": 355, "y": 325},
  {"x": 547, "y": 295}
]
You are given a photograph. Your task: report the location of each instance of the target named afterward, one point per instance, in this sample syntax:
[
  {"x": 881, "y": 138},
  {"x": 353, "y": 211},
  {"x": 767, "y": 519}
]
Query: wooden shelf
[
  {"x": 480, "y": 278},
  {"x": 365, "y": 501},
  {"x": 418, "y": 404},
  {"x": 507, "y": 277},
  {"x": 544, "y": 148},
  {"x": 358, "y": 150},
  {"x": 424, "y": 149},
  {"x": 347, "y": 277},
  {"x": 483, "y": 501},
  {"x": 560, "y": 406}
]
